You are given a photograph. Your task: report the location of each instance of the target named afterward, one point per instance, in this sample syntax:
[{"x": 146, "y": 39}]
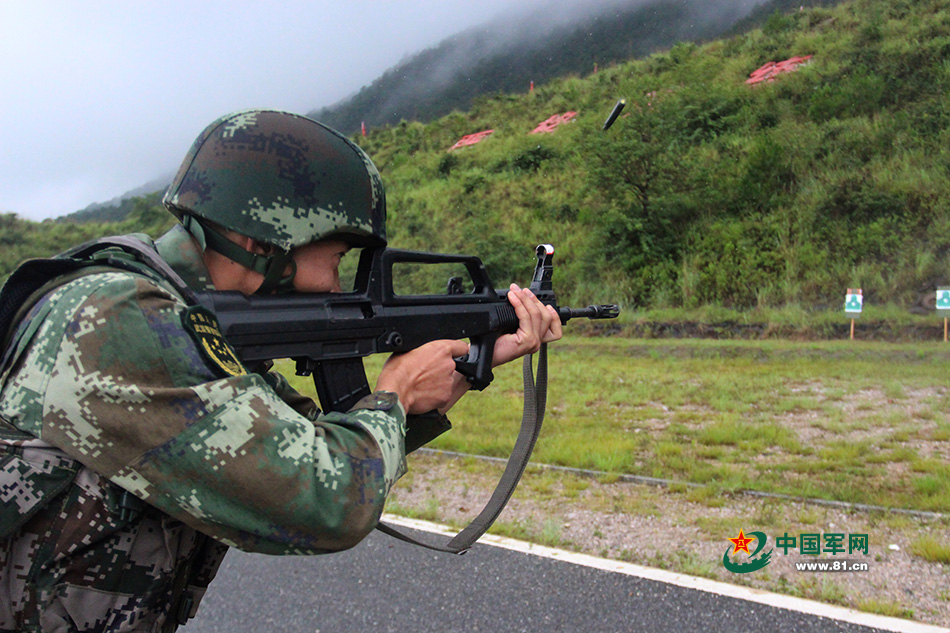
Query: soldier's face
[{"x": 318, "y": 266}]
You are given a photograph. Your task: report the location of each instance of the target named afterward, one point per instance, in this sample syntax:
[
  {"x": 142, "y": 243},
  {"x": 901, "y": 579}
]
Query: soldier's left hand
[{"x": 537, "y": 323}]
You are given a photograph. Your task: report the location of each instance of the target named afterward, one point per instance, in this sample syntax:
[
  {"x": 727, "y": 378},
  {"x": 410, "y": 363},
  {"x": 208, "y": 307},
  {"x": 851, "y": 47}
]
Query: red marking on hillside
[
  {"x": 472, "y": 139},
  {"x": 551, "y": 124},
  {"x": 771, "y": 70}
]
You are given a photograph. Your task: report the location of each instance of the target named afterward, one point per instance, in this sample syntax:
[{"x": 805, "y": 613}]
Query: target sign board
[
  {"x": 943, "y": 298},
  {"x": 853, "y": 301}
]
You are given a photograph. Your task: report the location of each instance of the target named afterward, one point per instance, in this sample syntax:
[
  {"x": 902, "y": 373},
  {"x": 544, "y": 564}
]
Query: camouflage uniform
[{"x": 114, "y": 390}]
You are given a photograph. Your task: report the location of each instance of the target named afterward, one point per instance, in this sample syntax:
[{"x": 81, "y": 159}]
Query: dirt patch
[{"x": 686, "y": 530}]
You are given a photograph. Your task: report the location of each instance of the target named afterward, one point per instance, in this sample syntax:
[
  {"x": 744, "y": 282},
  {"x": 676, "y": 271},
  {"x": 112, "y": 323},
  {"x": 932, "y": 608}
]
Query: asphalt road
[{"x": 384, "y": 585}]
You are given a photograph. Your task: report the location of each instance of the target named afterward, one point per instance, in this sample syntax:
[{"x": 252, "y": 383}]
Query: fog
[{"x": 99, "y": 98}]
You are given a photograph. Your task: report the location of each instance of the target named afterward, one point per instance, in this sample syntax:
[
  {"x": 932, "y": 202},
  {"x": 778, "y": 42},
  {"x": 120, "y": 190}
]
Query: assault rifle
[{"x": 329, "y": 334}]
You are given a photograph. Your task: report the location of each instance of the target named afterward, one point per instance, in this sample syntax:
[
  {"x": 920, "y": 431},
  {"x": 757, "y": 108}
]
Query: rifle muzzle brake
[{"x": 608, "y": 311}]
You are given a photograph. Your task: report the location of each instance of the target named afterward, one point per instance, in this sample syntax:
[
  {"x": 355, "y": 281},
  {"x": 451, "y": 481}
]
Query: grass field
[{"x": 852, "y": 421}]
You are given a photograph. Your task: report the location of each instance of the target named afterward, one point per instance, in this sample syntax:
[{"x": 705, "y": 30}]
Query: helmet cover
[{"x": 282, "y": 179}]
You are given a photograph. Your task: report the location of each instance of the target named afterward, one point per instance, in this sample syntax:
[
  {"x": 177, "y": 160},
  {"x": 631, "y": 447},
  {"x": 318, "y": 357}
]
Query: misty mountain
[
  {"x": 509, "y": 54},
  {"x": 505, "y": 56},
  {"x": 118, "y": 208}
]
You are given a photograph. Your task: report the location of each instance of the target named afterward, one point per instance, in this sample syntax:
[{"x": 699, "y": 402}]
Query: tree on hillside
[{"x": 635, "y": 175}]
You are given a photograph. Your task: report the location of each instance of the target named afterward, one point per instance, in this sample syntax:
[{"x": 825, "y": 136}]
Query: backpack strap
[
  {"x": 21, "y": 285},
  {"x": 36, "y": 278},
  {"x": 141, "y": 251}
]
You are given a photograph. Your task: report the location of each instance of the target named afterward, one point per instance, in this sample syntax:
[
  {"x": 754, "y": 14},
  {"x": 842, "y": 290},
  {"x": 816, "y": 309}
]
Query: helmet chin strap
[{"x": 270, "y": 266}]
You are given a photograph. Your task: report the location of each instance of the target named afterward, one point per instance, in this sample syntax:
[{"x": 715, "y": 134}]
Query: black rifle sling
[{"x": 535, "y": 400}]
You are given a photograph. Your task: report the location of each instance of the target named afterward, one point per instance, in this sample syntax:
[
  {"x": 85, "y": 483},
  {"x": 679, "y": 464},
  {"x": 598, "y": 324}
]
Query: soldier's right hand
[{"x": 425, "y": 378}]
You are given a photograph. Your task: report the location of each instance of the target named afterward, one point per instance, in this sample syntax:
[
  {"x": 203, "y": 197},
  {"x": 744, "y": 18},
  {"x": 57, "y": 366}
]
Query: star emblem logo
[{"x": 741, "y": 543}]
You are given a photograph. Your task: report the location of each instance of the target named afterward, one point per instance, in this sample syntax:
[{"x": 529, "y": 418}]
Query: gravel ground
[{"x": 686, "y": 530}]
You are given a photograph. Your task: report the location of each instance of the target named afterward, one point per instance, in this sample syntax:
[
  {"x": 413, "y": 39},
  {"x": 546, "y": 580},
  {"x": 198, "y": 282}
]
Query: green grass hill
[{"x": 707, "y": 191}]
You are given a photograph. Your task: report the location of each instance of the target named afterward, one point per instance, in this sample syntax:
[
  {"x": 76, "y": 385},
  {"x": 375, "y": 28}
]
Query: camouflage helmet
[{"x": 282, "y": 179}]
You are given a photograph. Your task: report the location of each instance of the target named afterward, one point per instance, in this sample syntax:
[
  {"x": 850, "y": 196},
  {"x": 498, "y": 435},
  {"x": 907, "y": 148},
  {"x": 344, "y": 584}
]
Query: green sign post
[
  {"x": 943, "y": 303},
  {"x": 853, "y": 303}
]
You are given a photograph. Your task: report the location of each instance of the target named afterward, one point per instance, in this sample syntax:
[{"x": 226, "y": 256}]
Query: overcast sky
[{"x": 97, "y": 98}]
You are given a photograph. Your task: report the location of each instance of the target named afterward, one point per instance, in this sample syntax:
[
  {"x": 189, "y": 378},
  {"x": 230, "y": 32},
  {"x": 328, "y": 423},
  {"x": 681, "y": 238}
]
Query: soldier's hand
[
  {"x": 425, "y": 378},
  {"x": 537, "y": 323}
]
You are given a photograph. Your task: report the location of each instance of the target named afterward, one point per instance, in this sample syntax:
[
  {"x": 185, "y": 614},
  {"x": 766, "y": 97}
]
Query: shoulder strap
[
  {"x": 23, "y": 282},
  {"x": 37, "y": 277},
  {"x": 143, "y": 252}
]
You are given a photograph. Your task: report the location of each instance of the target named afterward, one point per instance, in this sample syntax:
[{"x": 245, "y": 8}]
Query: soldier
[{"x": 137, "y": 448}]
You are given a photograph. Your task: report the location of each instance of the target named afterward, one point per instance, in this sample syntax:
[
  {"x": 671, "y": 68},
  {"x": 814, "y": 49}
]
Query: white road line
[{"x": 682, "y": 580}]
